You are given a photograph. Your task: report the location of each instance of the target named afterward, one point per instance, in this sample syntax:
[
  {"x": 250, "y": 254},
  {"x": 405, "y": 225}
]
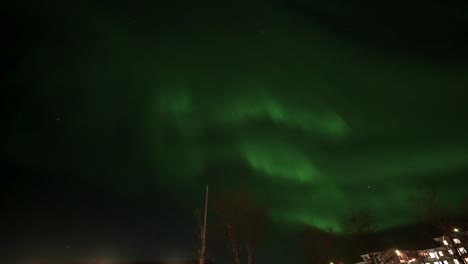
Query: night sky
[{"x": 116, "y": 114}]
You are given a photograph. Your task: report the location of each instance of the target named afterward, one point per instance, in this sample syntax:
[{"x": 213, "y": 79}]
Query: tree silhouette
[
  {"x": 359, "y": 225},
  {"x": 318, "y": 244},
  {"x": 200, "y": 251},
  {"x": 428, "y": 207},
  {"x": 359, "y": 222},
  {"x": 244, "y": 223}
]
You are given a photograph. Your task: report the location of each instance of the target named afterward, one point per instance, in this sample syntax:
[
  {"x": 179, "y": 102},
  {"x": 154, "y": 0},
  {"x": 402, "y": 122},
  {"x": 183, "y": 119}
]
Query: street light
[{"x": 455, "y": 229}]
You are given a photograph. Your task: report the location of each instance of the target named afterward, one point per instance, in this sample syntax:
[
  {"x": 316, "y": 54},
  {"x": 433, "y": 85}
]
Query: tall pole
[{"x": 203, "y": 246}]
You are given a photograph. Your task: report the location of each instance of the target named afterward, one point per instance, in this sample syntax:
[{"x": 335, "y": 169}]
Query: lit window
[
  {"x": 456, "y": 261},
  {"x": 445, "y": 242},
  {"x": 462, "y": 250},
  {"x": 440, "y": 253},
  {"x": 445, "y": 262},
  {"x": 450, "y": 251},
  {"x": 456, "y": 240},
  {"x": 432, "y": 255},
  {"x": 436, "y": 262}
]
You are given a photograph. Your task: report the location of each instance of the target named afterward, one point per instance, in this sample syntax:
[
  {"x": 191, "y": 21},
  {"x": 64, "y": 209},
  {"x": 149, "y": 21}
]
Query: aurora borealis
[{"x": 318, "y": 106}]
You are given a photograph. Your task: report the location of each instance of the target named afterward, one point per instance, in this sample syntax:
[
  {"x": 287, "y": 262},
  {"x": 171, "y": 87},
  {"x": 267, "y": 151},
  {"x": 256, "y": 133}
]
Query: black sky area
[{"x": 86, "y": 173}]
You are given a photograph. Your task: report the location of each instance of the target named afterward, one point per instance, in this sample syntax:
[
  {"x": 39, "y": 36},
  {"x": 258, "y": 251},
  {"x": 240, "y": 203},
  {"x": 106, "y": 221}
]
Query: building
[
  {"x": 452, "y": 250},
  {"x": 439, "y": 255},
  {"x": 391, "y": 256},
  {"x": 455, "y": 245}
]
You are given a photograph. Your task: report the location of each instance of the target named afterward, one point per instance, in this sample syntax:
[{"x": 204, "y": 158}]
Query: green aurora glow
[{"x": 310, "y": 119}]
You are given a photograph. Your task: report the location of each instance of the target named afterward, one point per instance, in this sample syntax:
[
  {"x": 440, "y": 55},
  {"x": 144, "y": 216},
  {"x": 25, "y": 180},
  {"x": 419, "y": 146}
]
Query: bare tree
[
  {"x": 201, "y": 231},
  {"x": 226, "y": 210},
  {"x": 429, "y": 208},
  {"x": 360, "y": 225},
  {"x": 200, "y": 247},
  {"x": 359, "y": 222},
  {"x": 253, "y": 222},
  {"x": 244, "y": 223},
  {"x": 318, "y": 244}
]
